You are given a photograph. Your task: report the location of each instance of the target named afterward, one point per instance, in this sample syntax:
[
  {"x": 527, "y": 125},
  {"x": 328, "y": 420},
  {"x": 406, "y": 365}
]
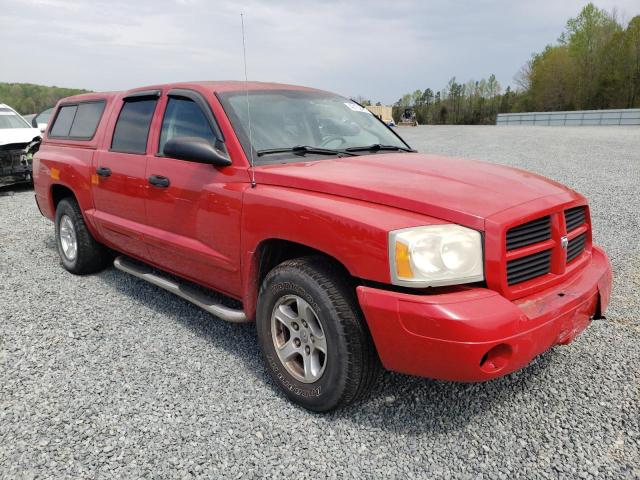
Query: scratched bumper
[{"x": 476, "y": 334}]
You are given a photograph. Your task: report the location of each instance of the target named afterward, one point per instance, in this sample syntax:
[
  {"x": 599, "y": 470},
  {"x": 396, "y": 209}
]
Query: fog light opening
[{"x": 496, "y": 359}]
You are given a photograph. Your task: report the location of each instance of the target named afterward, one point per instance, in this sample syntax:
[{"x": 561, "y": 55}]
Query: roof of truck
[{"x": 215, "y": 86}]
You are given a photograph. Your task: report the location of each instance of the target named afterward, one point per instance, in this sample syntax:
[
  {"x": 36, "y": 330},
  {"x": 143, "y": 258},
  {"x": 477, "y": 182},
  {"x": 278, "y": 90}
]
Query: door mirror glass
[{"x": 195, "y": 149}]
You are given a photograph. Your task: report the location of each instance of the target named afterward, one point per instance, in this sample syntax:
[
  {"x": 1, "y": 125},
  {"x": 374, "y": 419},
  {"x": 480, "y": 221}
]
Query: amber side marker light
[{"x": 403, "y": 264}]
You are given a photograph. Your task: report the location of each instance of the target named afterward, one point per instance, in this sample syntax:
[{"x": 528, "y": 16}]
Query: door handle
[
  {"x": 159, "y": 181},
  {"x": 103, "y": 171}
]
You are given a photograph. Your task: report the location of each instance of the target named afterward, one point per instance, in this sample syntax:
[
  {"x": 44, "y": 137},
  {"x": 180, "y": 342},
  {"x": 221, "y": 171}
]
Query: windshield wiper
[
  {"x": 377, "y": 147},
  {"x": 302, "y": 149}
]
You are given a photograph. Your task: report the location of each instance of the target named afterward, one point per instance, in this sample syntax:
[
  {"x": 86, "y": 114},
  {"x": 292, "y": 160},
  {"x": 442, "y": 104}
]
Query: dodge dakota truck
[{"x": 299, "y": 210}]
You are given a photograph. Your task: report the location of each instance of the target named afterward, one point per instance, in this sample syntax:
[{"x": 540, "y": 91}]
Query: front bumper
[
  {"x": 475, "y": 334},
  {"x": 14, "y": 162}
]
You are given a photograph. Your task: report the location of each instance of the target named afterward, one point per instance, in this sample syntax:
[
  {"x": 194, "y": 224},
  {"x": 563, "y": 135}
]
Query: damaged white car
[{"x": 18, "y": 142}]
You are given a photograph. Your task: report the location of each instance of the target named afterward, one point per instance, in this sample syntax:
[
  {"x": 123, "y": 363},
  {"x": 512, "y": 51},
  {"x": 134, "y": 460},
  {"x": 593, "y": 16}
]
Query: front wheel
[{"x": 312, "y": 334}]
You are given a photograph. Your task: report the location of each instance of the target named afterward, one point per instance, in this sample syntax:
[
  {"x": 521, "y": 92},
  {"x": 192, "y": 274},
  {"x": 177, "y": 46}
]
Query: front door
[
  {"x": 193, "y": 214},
  {"x": 119, "y": 183}
]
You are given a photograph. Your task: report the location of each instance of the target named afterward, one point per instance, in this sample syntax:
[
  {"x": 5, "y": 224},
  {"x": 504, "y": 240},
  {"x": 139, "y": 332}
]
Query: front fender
[{"x": 354, "y": 232}]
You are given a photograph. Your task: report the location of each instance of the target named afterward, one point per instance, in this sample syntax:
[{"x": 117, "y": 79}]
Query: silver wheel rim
[
  {"x": 299, "y": 338},
  {"x": 68, "y": 239}
]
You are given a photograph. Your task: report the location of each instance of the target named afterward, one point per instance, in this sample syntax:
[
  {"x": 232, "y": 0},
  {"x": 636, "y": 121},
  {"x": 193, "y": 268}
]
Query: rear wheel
[
  {"x": 312, "y": 334},
  {"x": 78, "y": 250}
]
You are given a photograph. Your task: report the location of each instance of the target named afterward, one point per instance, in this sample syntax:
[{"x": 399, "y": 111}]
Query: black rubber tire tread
[
  {"x": 363, "y": 365},
  {"x": 92, "y": 257}
]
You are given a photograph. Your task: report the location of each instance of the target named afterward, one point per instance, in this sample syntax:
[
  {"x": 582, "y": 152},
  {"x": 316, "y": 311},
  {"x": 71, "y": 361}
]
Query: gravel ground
[{"x": 106, "y": 376}]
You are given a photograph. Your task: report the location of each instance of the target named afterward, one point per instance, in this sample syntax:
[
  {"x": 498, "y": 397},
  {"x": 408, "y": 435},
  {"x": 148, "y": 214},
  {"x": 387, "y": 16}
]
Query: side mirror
[
  {"x": 195, "y": 149},
  {"x": 42, "y": 127}
]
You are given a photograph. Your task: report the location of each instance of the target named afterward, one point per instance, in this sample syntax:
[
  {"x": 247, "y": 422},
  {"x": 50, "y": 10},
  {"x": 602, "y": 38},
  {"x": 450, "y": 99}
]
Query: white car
[{"x": 15, "y": 137}]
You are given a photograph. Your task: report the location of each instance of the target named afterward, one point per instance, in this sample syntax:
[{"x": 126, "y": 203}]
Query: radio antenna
[{"x": 246, "y": 90}]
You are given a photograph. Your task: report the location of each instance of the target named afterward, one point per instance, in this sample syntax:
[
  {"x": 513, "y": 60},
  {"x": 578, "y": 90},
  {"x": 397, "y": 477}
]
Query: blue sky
[{"x": 375, "y": 49}]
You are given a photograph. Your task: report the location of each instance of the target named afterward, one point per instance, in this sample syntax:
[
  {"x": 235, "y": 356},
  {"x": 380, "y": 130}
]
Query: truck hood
[
  {"x": 451, "y": 189},
  {"x": 18, "y": 135}
]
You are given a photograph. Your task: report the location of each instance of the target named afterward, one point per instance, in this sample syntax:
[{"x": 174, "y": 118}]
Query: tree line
[
  {"x": 595, "y": 64},
  {"x": 28, "y": 98}
]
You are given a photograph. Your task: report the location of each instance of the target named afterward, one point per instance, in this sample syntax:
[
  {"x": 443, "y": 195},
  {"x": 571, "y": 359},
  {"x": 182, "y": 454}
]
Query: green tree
[
  {"x": 416, "y": 98},
  {"x": 585, "y": 37},
  {"x": 553, "y": 80},
  {"x": 28, "y": 98},
  {"x": 632, "y": 70}
]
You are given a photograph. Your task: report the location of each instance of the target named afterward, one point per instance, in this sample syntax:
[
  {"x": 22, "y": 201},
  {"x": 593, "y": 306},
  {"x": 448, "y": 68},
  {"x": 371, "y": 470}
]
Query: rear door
[
  {"x": 194, "y": 216},
  {"x": 119, "y": 183}
]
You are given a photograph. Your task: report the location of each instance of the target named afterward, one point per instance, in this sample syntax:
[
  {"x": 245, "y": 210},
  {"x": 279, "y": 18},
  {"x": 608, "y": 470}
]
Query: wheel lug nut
[
  {"x": 296, "y": 342},
  {"x": 307, "y": 350},
  {"x": 295, "y": 326},
  {"x": 304, "y": 324}
]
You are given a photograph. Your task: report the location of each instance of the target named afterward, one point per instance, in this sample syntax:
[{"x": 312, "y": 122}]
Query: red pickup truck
[{"x": 300, "y": 210}]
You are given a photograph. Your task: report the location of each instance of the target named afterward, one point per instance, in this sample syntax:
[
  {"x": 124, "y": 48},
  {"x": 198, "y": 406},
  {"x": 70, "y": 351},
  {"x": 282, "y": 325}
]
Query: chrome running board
[{"x": 196, "y": 297}]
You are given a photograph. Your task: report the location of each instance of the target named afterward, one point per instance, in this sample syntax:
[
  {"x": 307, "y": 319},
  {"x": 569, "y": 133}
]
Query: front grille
[
  {"x": 525, "y": 268},
  {"x": 574, "y": 217},
  {"x": 576, "y": 246},
  {"x": 536, "y": 231}
]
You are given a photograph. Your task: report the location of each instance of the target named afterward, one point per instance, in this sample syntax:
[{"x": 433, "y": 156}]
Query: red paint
[
  {"x": 446, "y": 336},
  {"x": 209, "y": 223}
]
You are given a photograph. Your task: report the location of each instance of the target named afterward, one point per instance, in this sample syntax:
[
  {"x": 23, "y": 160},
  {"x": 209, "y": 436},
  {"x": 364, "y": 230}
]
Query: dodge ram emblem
[{"x": 564, "y": 242}]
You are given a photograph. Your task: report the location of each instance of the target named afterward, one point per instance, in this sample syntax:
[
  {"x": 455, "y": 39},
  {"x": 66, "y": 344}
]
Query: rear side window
[
  {"x": 78, "y": 121},
  {"x": 86, "y": 120},
  {"x": 62, "y": 125},
  {"x": 132, "y": 128}
]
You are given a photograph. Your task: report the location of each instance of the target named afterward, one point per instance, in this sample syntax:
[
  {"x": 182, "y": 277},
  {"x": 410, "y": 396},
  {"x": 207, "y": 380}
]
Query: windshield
[
  {"x": 284, "y": 119},
  {"x": 9, "y": 119}
]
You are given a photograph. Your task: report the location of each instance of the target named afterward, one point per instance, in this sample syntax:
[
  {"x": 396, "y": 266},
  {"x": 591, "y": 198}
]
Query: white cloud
[{"x": 379, "y": 49}]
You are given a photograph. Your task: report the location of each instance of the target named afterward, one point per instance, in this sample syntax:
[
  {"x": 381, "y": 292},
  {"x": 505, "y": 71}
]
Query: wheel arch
[
  {"x": 58, "y": 193},
  {"x": 270, "y": 253}
]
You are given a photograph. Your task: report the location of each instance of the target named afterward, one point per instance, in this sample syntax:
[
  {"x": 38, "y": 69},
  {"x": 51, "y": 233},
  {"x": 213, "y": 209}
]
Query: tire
[
  {"x": 89, "y": 256},
  {"x": 350, "y": 364}
]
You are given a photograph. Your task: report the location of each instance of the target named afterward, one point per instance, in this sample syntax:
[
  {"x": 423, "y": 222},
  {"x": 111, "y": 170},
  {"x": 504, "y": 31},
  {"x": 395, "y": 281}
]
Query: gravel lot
[{"x": 107, "y": 376}]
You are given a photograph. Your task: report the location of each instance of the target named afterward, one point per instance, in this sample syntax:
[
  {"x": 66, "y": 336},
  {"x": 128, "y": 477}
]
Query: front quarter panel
[{"x": 353, "y": 232}]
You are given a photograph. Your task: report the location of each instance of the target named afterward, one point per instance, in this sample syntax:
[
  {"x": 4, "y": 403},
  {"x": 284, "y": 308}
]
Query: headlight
[{"x": 435, "y": 255}]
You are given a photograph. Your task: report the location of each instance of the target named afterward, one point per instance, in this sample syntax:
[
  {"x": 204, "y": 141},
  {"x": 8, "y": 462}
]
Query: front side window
[
  {"x": 10, "y": 119},
  {"x": 284, "y": 119},
  {"x": 184, "y": 118},
  {"x": 132, "y": 128}
]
